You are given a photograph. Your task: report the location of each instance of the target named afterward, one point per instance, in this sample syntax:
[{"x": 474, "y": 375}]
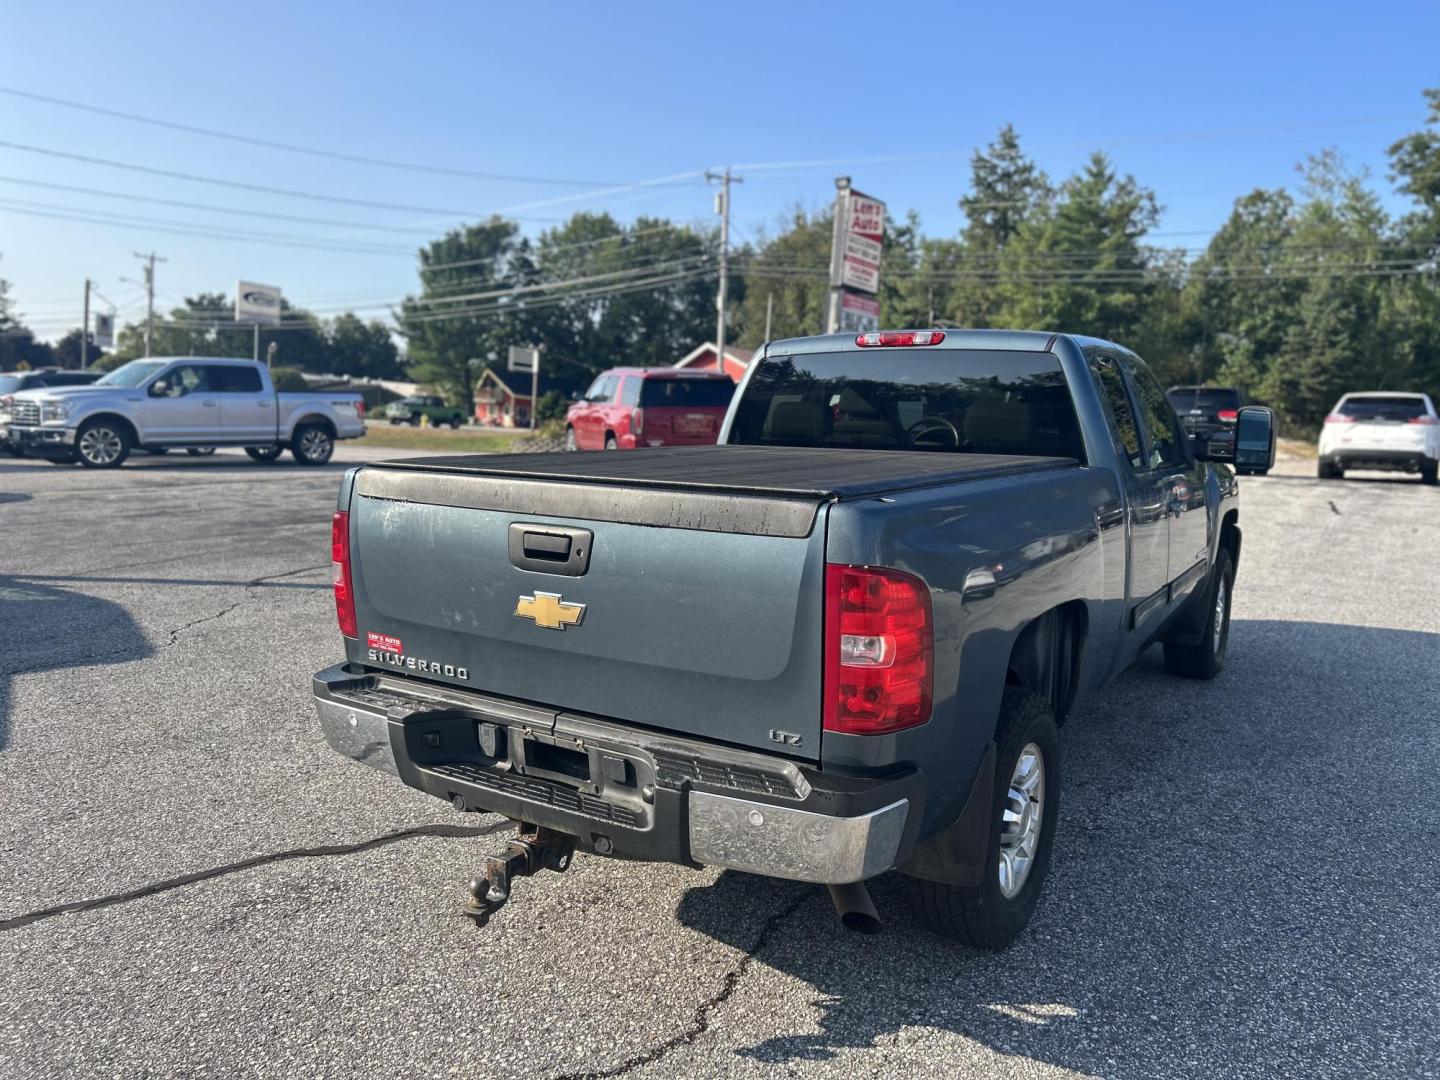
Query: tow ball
[{"x": 533, "y": 849}]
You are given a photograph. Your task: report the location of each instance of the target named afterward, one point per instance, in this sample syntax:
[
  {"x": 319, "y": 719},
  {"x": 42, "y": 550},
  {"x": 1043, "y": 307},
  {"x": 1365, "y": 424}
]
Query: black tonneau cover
[{"x": 827, "y": 473}]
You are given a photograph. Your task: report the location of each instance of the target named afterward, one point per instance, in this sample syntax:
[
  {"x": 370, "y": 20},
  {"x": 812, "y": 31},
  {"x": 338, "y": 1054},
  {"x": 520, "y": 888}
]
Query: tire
[
  {"x": 394, "y": 422},
  {"x": 1430, "y": 474},
  {"x": 984, "y": 915},
  {"x": 414, "y": 421},
  {"x": 313, "y": 444},
  {"x": 158, "y": 451},
  {"x": 1205, "y": 658},
  {"x": 102, "y": 444},
  {"x": 570, "y": 444},
  {"x": 264, "y": 454},
  {"x": 610, "y": 443},
  {"x": 455, "y": 424},
  {"x": 200, "y": 451}
]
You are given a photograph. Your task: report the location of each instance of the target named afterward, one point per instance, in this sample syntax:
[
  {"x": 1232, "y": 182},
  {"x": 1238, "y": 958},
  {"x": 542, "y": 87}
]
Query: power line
[
  {"x": 241, "y": 185},
  {"x": 334, "y": 155},
  {"x": 211, "y": 207},
  {"x": 139, "y": 223}
]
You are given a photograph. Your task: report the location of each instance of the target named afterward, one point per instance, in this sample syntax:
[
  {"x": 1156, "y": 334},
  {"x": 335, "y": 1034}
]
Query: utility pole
[
  {"x": 85, "y": 330},
  {"x": 722, "y": 207},
  {"x": 837, "y": 256},
  {"x": 150, "y": 261}
]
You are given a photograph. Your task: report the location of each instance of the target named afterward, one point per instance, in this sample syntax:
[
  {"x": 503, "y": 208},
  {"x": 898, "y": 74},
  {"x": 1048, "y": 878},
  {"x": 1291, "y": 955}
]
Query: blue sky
[{"x": 1200, "y": 101}]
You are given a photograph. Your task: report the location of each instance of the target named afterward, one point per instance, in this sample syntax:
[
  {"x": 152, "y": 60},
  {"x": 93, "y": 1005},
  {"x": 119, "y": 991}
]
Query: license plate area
[
  {"x": 694, "y": 425},
  {"x": 561, "y": 760}
]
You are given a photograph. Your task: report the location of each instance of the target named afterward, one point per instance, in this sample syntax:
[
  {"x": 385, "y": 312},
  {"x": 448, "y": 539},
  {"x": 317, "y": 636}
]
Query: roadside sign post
[
  {"x": 259, "y": 305},
  {"x": 524, "y": 358},
  {"x": 104, "y": 335},
  {"x": 855, "y": 249}
]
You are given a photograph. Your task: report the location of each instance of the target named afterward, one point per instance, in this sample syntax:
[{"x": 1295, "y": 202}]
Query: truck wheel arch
[
  {"x": 1046, "y": 656},
  {"x": 314, "y": 418},
  {"x": 117, "y": 420}
]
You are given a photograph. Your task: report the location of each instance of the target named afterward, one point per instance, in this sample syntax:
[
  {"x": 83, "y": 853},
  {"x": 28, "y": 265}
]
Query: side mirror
[
  {"x": 1255, "y": 439},
  {"x": 159, "y": 388}
]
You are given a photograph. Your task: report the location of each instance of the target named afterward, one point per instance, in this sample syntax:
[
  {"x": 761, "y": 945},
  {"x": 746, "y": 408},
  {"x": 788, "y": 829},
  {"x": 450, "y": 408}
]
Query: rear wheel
[
  {"x": 1205, "y": 658},
  {"x": 570, "y": 444},
  {"x": 1328, "y": 470},
  {"x": 455, "y": 424},
  {"x": 991, "y": 914},
  {"x": 610, "y": 443},
  {"x": 313, "y": 444},
  {"x": 263, "y": 453},
  {"x": 102, "y": 444},
  {"x": 415, "y": 420},
  {"x": 1430, "y": 472},
  {"x": 156, "y": 450},
  {"x": 200, "y": 451}
]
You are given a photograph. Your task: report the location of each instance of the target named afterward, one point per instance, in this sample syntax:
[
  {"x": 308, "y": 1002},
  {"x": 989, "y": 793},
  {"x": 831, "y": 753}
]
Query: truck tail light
[
  {"x": 1339, "y": 418},
  {"x": 360, "y": 408},
  {"x": 637, "y": 422},
  {"x": 878, "y": 663},
  {"x": 900, "y": 337},
  {"x": 1229, "y": 416},
  {"x": 344, "y": 586},
  {"x": 1423, "y": 420}
]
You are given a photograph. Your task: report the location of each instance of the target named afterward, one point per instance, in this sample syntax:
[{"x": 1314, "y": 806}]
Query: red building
[
  {"x": 502, "y": 397},
  {"x": 702, "y": 357}
]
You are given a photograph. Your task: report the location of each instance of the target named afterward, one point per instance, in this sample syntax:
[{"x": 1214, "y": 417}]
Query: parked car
[
  {"x": 194, "y": 403},
  {"x": 1209, "y": 413},
  {"x": 629, "y": 407},
  {"x": 838, "y": 644},
  {"x": 1396, "y": 432},
  {"x": 409, "y": 410},
  {"x": 12, "y": 382}
]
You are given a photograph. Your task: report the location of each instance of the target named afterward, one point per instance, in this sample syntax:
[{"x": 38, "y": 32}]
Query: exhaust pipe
[{"x": 855, "y": 908}]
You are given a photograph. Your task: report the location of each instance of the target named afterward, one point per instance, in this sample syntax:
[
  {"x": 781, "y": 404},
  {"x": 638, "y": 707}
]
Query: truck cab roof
[{"x": 1002, "y": 340}]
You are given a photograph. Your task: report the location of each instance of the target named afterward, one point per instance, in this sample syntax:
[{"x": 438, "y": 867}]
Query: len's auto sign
[{"x": 862, "y": 235}]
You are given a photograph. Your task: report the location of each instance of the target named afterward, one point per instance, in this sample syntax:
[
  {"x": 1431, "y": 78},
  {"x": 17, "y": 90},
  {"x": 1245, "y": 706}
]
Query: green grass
[{"x": 454, "y": 442}]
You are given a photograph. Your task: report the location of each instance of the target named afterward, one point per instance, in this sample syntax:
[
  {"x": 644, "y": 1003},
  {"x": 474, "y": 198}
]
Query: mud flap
[{"x": 956, "y": 855}]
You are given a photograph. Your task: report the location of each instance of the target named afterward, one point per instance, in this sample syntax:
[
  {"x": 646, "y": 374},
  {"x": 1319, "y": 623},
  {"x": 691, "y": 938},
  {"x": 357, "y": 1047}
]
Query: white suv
[{"x": 1381, "y": 430}]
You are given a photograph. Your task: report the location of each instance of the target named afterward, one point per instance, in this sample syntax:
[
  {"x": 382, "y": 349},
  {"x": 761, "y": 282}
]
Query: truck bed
[{"x": 784, "y": 472}]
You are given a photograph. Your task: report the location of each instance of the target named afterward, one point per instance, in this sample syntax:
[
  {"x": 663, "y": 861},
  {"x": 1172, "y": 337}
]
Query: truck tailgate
[
  {"x": 701, "y": 619},
  {"x": 702, "y": 585}
]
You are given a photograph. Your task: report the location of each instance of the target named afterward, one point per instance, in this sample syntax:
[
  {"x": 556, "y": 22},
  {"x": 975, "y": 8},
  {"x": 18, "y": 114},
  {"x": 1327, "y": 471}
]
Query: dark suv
[
  {"x": 12, "y": 382},
  {"x": 1208, "y": 412}
]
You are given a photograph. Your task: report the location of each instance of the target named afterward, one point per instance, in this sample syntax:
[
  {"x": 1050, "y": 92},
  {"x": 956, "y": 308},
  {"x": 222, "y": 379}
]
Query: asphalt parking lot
[{"x": 192, "y": 884}]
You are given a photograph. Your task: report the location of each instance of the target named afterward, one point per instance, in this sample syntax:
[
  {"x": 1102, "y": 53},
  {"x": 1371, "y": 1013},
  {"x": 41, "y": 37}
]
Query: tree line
[{"x": 1297, "y": 297}]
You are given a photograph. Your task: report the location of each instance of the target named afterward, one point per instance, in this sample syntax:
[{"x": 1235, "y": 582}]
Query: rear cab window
[
  {"x": 686, "y": 393},
  {"x": 235, "y": 380},
  {"x": 1399, "y": 407},
  {"x": 946, "y": 400}
]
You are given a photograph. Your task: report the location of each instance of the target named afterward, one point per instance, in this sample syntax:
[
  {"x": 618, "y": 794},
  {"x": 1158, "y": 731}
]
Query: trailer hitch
[{"x": 533, "y": 849}]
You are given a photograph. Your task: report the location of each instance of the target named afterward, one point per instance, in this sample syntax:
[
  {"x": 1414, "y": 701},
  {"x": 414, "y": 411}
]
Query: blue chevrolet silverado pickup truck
[{"x": 838, "y": 644}]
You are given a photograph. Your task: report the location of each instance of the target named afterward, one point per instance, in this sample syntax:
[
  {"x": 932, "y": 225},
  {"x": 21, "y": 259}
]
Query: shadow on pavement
[
  {"x": 1244, "y": 884},
  {"x": 45, "y": 629}
]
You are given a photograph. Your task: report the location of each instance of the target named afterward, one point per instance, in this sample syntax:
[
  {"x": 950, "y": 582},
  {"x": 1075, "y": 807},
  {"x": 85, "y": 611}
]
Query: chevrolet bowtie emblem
[{"x": 549, "y": 611}]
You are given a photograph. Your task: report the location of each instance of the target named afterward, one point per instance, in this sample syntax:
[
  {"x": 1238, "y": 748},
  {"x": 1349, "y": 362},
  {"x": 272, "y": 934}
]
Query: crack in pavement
[
  {"x": 700, "y": 1021},
  {"x": 253, "y": 583},
  {"x": 155, "y": 888}
]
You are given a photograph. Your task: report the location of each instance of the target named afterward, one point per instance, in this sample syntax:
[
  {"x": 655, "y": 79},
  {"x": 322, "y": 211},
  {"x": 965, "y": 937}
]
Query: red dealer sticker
[{"x": 384, "y": 642}]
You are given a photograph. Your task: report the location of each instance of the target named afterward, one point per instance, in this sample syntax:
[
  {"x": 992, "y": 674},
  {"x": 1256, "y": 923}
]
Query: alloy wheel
[{"x": 1021, "y": 817}]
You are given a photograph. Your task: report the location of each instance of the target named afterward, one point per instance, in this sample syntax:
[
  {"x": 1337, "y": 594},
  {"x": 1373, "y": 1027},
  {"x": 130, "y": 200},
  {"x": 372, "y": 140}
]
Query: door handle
[
  {"x": 208, "y": 404},
  {"x": 263, "y": 404}
]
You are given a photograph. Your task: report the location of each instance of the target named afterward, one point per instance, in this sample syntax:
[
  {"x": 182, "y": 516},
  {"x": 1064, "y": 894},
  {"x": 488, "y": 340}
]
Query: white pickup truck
[{"x": 190, "y": 402}]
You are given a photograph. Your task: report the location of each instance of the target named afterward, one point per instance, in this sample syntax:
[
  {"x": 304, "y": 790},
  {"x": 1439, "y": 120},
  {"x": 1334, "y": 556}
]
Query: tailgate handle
[{"x": 550, "y": 549}]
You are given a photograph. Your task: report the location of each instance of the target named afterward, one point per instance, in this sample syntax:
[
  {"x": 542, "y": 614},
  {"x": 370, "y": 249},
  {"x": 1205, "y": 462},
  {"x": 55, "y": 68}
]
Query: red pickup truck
[{"x": 627, "y": 408}]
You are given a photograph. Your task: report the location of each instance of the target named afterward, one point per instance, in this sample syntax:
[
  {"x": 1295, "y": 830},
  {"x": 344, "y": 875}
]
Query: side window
[
  {"x": 235, "y": 380},
  {"x": 1118, "y": 413},
  {"x": 1162, "y": 426},
  {"x": 604, "y": 389},
  {"x": 187, "y": 379},
  {"x": 593, "y": 394},
  {"x": 630, "y": 391}
]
